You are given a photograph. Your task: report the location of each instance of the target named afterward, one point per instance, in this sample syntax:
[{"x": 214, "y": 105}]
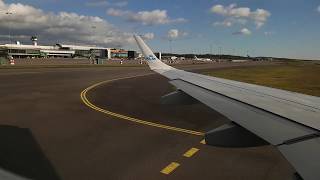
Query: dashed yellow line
[
  {"x": 139, "y": 121},
  {"x": 190, "y": 152},
  {"x": 171, "y": 167},
  {"x": 203, "y": 141}
]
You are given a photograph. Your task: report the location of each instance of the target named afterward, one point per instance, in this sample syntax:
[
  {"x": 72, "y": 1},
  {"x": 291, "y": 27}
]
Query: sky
[{"x": 286, "y": 28}]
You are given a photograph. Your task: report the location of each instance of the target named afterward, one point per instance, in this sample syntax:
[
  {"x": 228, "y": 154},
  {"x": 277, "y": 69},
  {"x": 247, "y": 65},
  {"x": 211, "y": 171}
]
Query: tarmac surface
[{"x": 47, "y": 131}]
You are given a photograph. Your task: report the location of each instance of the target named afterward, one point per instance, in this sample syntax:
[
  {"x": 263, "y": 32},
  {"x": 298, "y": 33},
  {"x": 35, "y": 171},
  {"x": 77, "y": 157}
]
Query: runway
[{"x": 74, "y": 141}]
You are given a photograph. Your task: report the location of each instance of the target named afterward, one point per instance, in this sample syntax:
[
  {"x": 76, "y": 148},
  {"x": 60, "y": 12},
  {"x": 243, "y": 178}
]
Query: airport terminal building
[
  {"x": 19, "y": 50},
  {"x": 59, "y": 50},
  {"x": 34, "y": 50}
]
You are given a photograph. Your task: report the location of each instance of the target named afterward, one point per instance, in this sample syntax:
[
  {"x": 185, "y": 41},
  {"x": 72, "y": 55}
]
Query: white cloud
[
  {"x": 269, "y": 33},
  {"x": 60, "y": 27},
  {"x": 97, "y": 3},
  {"x": 121, "y": 4},
  {"x": 318, "y": 9},
  {"x": 230, "y": 22},
  {"x": 224, "y": 23},
  {"x": 148, "y": 36},
  {"x": 175, "y": 33},
  {"x": 116, "y": 12},
  {"x": 243, "y": 31},
  {"x": 259, "y": 16},
  {"x": 154, "y": 17}
]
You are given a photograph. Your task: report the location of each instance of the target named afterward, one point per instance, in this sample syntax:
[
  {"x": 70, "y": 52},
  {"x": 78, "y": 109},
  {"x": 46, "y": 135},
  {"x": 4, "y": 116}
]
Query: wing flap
[
  {"x": 233, "y": 135},
  {"x": 304, "y": 156}
]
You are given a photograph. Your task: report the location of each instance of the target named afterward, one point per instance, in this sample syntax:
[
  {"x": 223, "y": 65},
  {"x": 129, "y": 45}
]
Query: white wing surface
[{"x": 290, "y": 121}]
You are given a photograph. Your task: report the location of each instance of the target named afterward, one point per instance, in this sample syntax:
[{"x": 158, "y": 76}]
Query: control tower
[{"x": 34, "y": 40}]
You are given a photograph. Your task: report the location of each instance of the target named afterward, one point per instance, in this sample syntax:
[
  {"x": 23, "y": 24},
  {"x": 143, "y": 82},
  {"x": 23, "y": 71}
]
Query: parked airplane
[
  {"x": 173, "y": 58},
  {"x": 201, "y": 59},
  {"x": 253, "y": 58},
  {"x": 259, "y": 115}
]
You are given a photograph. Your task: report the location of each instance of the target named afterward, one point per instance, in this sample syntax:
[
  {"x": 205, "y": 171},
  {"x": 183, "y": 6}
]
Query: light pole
[
  {"x": 9, "y": 13},
  {"x": 170, "y": 40},
  {"x": 93, "y": 27},
  {"x": 220, "y": 51}
]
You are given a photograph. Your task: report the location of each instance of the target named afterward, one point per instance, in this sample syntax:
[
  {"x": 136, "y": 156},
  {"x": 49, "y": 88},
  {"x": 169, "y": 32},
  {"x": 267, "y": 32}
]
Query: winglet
[{"x": 153, "y": 62}]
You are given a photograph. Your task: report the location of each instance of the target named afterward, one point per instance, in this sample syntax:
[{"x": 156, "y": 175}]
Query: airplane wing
[{"x": 287, "y": 120}]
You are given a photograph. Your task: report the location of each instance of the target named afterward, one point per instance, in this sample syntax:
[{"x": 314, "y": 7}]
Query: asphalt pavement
[{"x": 48, "y": 132}]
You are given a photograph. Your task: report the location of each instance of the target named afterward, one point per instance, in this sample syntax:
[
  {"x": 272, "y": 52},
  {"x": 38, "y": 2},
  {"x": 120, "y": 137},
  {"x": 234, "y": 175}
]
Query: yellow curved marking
[{"x": 89, "y": 104}]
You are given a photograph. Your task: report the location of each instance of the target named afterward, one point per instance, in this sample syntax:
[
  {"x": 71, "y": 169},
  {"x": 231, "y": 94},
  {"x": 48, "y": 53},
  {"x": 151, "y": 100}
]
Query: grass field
[{"x": 302, "y": 77}]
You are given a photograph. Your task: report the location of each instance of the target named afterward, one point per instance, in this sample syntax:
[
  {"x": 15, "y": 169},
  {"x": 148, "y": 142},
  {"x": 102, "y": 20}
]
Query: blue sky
[{"x": 286, "y": 28}]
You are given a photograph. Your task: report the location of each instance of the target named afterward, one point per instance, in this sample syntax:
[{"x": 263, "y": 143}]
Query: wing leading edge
[{"x": 287, "y": 120}]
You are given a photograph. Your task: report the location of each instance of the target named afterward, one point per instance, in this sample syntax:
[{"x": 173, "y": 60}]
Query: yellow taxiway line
[
  {"x": 190, "y": 152},
  {"x": 171, "y": 167},
  {"x": 203, "y": 141},
  {"x": 124, "y": 117}
]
